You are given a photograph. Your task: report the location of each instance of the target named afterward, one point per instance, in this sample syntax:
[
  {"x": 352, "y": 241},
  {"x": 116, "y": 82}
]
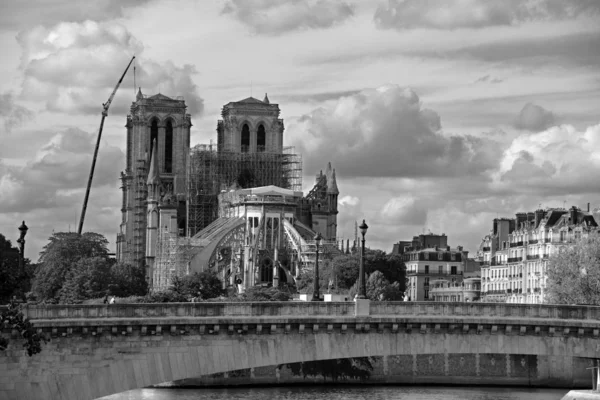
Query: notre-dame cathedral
[{"x": 235, "y": 208}]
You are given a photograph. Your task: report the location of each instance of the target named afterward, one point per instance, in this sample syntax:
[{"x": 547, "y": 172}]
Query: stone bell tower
[{"x": 161, "y": 120}]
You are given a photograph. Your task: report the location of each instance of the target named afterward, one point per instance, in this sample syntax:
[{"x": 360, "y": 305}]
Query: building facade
[
  {"x": 429, "y": 258},
  {"x": 469, "y": 290},
  {"x": 182, "y": 207},
  {"x": 514, "y": 256}
]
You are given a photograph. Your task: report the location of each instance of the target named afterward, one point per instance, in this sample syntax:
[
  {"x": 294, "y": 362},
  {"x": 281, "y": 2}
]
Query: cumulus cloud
[
  {"x": 74, "y": 67},
  {"x": 386, "y": 132},
  {"x": 16, "y": 15},
  {"x": 534, "y": 118},
  {"x": 558, "y": 161},
  {"x": 405, "y": 209},
  {"x": 11, "y": 113},
  {"x": 452, "y": 14},
  {"x": 58, "y": 173},
  {"x": 274, "y": 16}
]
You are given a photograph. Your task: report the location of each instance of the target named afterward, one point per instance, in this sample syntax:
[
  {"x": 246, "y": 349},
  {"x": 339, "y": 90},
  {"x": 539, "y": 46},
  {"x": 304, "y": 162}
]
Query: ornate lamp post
[
  {"x": 316, "y": 294},
  {"x": 362, "y": 287},
  {"x": 23, "y": 229}
]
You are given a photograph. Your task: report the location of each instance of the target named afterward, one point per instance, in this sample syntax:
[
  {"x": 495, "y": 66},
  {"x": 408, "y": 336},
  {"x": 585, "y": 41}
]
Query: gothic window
[
  {"x": 153, "y": 133},
  {"x": 260, "y": 138},
  {"x": 169, "y": 147},
  {"x": 245, "y": 138}
]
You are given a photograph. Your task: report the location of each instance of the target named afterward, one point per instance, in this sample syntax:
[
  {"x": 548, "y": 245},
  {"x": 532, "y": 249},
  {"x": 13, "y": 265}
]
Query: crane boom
[{"x": 105, "y": 107}]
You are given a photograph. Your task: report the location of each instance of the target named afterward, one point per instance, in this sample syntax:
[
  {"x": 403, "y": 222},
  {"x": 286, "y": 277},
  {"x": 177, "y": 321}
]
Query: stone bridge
[{"x": 97, "y": 350}]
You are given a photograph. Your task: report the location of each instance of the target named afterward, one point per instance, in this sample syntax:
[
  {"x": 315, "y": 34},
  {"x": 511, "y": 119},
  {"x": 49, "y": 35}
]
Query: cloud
[
  {"x": 558, "y": 161},
  {"x": 386, "y": 132},
  {"x": 488, "y": 79},
  {"x": 404, "y": 210},
  {"x": 16, "y": 15},
  {"x": 534, "y": 118},
  {"x": 11, "y": 113},
  {"x": 453, "y": 14},
  {"x": 276, "y": 17},
  {"x": 58, "y": 173},
  {"x": 73, "y": 67}
]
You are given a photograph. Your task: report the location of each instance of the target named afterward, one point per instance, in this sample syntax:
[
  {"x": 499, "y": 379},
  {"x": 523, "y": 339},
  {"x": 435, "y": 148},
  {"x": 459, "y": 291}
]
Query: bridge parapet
[{"x": 312, "y": 309}]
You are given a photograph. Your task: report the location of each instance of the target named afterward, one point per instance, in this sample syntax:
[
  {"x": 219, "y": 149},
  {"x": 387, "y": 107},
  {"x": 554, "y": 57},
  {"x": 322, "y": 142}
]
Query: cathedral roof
[
  {"x": 159, "y": 96},
  {"x": 153, "y": 177},
  {"x": 270, "y": 190},
  {"x": 250, "y": 100}
]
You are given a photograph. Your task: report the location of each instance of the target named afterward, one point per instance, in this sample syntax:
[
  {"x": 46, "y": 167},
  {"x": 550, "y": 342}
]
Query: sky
[{"x": 438, "y": 116}]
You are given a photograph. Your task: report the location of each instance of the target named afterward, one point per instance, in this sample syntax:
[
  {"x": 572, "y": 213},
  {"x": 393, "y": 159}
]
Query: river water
[{"x": 348, "y": 392}]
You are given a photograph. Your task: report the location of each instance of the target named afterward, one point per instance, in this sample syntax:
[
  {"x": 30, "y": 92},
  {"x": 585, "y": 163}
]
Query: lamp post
[
  {"x": 316, "y": 295},
  {"x": 23, "y": 229},
  {"x": 362, "y": 287}
]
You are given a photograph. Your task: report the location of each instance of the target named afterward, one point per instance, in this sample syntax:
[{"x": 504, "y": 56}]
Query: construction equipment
[{"x": 104, "y": 114}]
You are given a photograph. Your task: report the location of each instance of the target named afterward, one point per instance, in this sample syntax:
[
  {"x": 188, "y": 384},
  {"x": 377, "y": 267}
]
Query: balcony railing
[
  {"x": 546, "y": 255},
  {"x": 514, "y": 259},
  {"x": 487, "y": 248},
  {"x": 533, "y": 256},
  {"x": 533, "y": 241},
  {"x": 547, "y": 240}
]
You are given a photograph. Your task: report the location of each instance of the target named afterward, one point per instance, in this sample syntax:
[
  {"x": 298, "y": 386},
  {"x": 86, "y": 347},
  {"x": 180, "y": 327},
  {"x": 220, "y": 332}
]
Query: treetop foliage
[{"x": 573, "y": 274}]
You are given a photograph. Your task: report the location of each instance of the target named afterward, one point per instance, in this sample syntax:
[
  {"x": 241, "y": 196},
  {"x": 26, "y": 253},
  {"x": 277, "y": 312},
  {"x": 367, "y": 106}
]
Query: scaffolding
[
  {"x": 139, "y": 213},
  {"x": 173, "y": 255},
  {"x": 210, "y": 171}
]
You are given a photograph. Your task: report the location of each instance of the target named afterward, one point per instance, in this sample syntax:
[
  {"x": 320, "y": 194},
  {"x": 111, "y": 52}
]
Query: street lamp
[
  {"x": 362, "y": 287},
  {"x": 316, "y": 295},
  {"x": 23, "y": 229}
]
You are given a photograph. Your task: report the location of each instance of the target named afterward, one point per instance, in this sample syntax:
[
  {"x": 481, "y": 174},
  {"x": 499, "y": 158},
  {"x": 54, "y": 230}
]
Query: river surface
[{"x": 345, "y": 393}]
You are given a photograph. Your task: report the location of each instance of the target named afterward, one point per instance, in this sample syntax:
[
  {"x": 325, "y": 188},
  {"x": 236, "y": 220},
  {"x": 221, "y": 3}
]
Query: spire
[
  {"x": 153, "y": 177},
  {"x": 266, "y": 99},
  {"x": 332, "y": 186},
  {"x": 139, "y": 94}
]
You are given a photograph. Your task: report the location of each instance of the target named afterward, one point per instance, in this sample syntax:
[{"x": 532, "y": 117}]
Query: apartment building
[
  {"x": 429, "y": 258},
  {"x": 514, "y": 256}
]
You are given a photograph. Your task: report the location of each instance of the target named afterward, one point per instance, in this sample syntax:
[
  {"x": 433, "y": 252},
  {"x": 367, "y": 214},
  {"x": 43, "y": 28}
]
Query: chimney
[
  {"x": 573, "y": 215},
  {"x": 588, "y": 210},
  {"x": 447, "y": 248},
  {"x": 539, "y": 215},
  {"x": 459, "y": 248}
]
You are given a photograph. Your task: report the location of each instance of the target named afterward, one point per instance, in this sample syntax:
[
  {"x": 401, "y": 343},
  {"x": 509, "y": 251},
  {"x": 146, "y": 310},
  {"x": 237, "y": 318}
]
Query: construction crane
[{"x": 105, "y": 107}]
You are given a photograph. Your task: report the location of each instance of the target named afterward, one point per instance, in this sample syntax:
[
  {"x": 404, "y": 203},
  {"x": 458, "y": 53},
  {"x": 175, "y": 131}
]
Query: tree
[
  {"x": 379, "y": 288},
  {"x": 259, "y": 293},
  {"x": 13, "y": 280},
  {"x": 127, "y": 280},
  {"x": 57, "y": 258},
  {"x": 205, "y": 285},
  {"x": 88, "y": 278},
  {"x": 573, "y": 275}
]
